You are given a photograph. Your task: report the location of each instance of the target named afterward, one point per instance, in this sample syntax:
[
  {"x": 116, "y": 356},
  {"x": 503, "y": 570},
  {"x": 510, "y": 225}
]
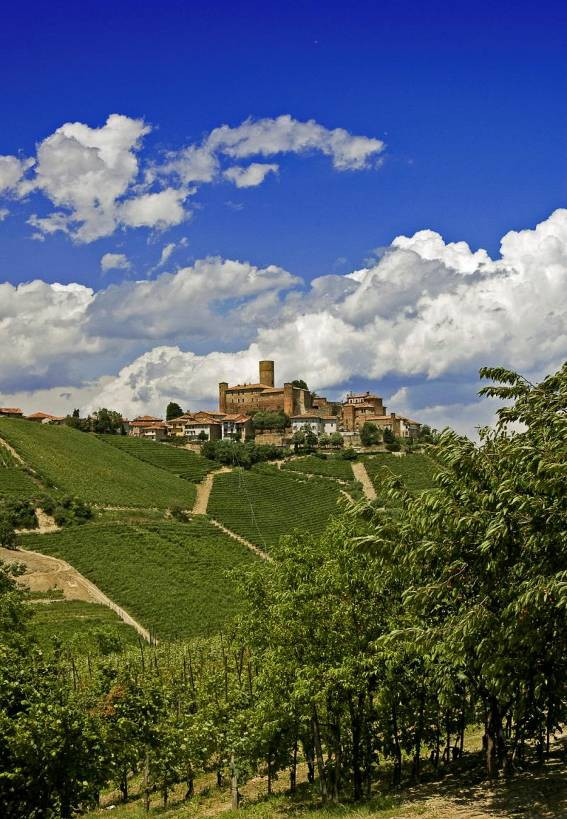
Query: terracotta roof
[
  {"x": 273, "y": 389},
  {"x": 205, "y": 422},
  {"x": 156, "y": 426},
  {"x": 235, "y": 416},
  {"x": 10, "y": 411},
  {"x": 45, "y": 415},
  {"x": 249, "y": 387},
  {"x": 147, "y": 418},
  {"x": 364, "y": 405}
]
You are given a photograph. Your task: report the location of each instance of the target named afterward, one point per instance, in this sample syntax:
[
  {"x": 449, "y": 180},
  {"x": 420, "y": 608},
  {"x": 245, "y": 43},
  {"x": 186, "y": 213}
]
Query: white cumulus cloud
[
  {"x": 114, "y": 261},
  {"x": 251, "y": 175}
]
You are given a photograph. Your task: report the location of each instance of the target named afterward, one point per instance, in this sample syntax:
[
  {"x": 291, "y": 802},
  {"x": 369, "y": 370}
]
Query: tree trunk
[
  {"x": 293, "y": 768},
  {"x": 416, "y": 768},
  {"x": 495, "y": 741},
  {"x": 356, "y": 729},
  {"x": 147, "y": 783},
  {"x": 124, "y": 787},
  {"x": 319, "y": 754},
  {"x": 397, "y": 772},
  {"x": 234, "y": 784}
]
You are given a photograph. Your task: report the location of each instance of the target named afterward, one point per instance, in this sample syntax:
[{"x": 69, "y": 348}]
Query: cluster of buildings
[
  {"x": 304, "y": 408},
  {"x": 239, "y": 403}
]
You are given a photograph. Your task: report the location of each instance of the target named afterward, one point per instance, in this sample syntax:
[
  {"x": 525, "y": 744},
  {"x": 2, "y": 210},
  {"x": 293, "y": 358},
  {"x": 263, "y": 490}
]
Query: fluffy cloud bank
[
  {"x": 98, "y": 179},
  {"x": 424, "y": 309}
]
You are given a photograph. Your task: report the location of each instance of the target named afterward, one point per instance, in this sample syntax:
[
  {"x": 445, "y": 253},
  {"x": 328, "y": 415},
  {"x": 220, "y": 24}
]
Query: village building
[
  {"x": 45, "y": 418},
  {"x": 399, "y": 425},
  {"x": 11, "y": 412},
  {"x": 138, "y": 427},
  {"x": 357, "y": 408},
  {"x": 319, "y": 424}
]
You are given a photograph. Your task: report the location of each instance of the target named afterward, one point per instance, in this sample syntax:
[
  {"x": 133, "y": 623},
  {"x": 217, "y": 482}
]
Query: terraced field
[
  {"x": 262, "y": 505},
  {"x": 329, "y": 468},
  {"x": 416, "y": 471},
  {"x": 81, "y": 465},
  {"x": 170, "y": 576},
  {"x": 182, "y": 462}
]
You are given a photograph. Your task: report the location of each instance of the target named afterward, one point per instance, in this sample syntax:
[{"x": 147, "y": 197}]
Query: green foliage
[
  {"x": 84, "y": 628},
  {"x": 299, "y": 382},
  {"x": 85, "y": 467},
  {"x": 264, "y": 419},
  {"x": 337, "y": 440},
  {"x": 349, "y": 454},
  {"x": 172, "y": 411},
  {"x": 332, "y": 467},
  {"x": 187, "y": 465},
  {"x": 107, "y": 421},
  {"x": 236, "y": 453},
  {"x": 169, "y": 576},
  {"x": 370, "y": 434},
  {"x": 416, "y": 471},
  {"x": 263, "y": 506},
  {"x": 389, "y": 437},
  {"x": 8, "y": 539},
  {"x": 394, "y": 446}
]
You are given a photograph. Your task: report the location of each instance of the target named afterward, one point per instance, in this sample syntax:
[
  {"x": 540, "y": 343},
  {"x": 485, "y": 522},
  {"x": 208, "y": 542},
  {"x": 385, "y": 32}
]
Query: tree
[
  {"x": 107, "y": 421},
  {"x": 485, "y": 564},
  {"x": 300, "y": 383},
  {"x": 298, "y": 439},
  {"x": 389, "y": 437},
  {"x": 370, "y": 434},
  {"x": 324, "y": 440},
  {"x": 172, "y": 411},
  {"x": 8, "y": 539},
  {"x": 270, "y": 420},
  {"x": 310, "y": 439},
  {"x": 337, "y": 440},
  {"x": 202, "y": 436}
]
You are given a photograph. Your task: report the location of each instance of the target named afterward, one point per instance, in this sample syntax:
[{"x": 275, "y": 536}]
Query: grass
[
  {"x": 15, "y": 483},
  {"x": 7, "y": 459},
  {"x": 81, "y": 465},
  {"x": 182, "y": 462},
  {"x": 416, "y": 471},
  {"x": 329, "y": 468},
  {"x": 77, "y": 623},
  {"x": 262, "y": 505},
  {"x": 170, "y": 576}
]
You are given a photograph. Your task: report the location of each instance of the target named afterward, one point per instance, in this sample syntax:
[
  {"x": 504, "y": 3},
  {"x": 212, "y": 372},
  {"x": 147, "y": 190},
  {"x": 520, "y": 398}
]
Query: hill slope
[
  {"x": 79, "y": 464},
  {"x": 187, "y": 465}
]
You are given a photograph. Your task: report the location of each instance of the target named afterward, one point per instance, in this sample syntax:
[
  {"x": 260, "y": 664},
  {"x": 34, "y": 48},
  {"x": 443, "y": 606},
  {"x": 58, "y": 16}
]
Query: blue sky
[{"x": 469, "y": 101}]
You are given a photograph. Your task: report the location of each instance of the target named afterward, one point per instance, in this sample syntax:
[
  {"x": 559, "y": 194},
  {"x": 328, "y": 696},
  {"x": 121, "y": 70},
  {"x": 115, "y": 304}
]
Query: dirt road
[
  {"x": 360, "y": 474},
  {"x": 44, "y": 573}
]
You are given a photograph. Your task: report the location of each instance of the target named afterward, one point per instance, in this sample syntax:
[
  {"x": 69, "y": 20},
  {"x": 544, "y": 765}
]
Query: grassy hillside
[
  {"x": 79, "y": 464},
  {"x": 416, "y": 471},
  {"x": 330, "y": 468},
  {"x": 182, "y": 462},
  {"x": 77, "y": 624},
  {"x": 15, "y": 483},
  {"x": 263, "y": 505},
  {"x": 169, "y": 576}
]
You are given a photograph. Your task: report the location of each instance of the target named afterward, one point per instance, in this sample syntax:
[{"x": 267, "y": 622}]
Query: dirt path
[
  {"x": 204, "y": 491},
  {"x": 247, "y": 543},
  {"x": 360, "y": 474},
  {"x": 11, "y": 449},
  {"x": 44, "y": 572}
]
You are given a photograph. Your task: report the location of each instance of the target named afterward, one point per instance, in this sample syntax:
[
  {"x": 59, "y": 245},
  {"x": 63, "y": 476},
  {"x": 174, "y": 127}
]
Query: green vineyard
[
  {"x": 78, "y": 624},
  {"x": 170, "y": 576},
  {"x": 187, "y": 465},
  {"x": 17, "y": 484},
  {"x": 81, "y": 465},
  {"x": 329, "y": 468},
  {"x": 263, "y": 505},
  {"x": 416, "y": 471}
]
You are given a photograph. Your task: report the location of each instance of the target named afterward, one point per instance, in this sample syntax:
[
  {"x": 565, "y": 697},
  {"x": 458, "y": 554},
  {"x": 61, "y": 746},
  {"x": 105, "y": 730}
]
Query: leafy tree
[
  {"x": 172, "y": 411},
  {"x": 310, "y": 439},
  {"x": 270, "y": 420},
  {"x": 298, "y": 439},
  {"x": 202, "y": 436},
  {"x": 8, "y": 539},
  {"x": 300, "y": 383},
  {"x": 107, "y": 421},
  {"x": 485, "y": 563},
  {"x": 337, "y": 440},
  {"x": 324, "y": 440},
  {"x": 370, "y": 434},
  {"x": 389, "y": 437}
]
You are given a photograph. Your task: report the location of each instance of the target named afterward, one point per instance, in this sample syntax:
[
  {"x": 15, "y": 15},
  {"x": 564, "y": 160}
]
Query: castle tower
[
  {"x": 267, "y": 373},
  {"x": 223, "y": 387}
]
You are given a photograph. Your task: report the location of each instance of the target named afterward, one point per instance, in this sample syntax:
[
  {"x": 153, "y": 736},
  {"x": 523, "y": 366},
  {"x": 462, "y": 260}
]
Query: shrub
[
  {"x": 394, "y": 446},
  {"x": 349, "y": 454}
]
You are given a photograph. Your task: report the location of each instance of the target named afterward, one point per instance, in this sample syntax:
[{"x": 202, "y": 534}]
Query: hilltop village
[{"x": 269, "y": 413}]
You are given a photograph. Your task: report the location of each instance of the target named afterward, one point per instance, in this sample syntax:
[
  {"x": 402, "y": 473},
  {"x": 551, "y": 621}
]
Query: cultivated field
[
  {"x": 15, "y": 483},
  {"x": 169, "y": 576},
  {"x": 264, "y": 504},
  {"x": 416, "y": 471},
  {"x": 182, "y": 462},
  {"x": 78, "y": 625},
  {"x": 330, "y": 468},
  {"x": 81, "y": 465}
]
